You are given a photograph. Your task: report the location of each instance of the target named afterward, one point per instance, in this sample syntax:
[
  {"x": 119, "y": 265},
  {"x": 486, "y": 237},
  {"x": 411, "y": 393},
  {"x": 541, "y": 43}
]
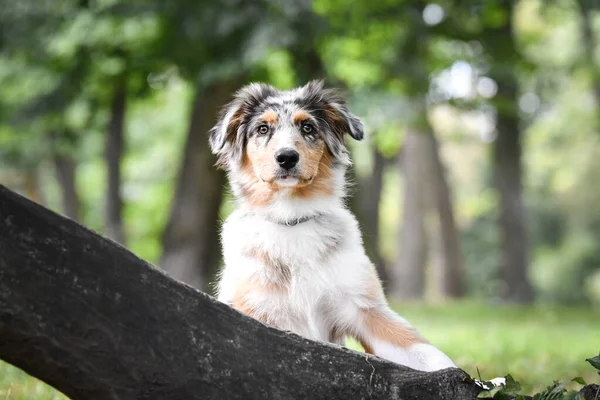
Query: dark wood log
[
  {"x": 91, "y": 319},
  {"x": 590, "y": 392}
]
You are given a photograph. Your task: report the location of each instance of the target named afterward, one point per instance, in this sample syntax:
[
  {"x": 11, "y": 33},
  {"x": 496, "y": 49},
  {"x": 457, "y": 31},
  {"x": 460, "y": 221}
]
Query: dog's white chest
[{"x": 301, "y": 269}]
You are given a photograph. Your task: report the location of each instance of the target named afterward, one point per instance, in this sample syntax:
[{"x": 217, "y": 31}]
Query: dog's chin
[
  {"x": 287, "y": 181},
  {"x": 290, "y": 180}
]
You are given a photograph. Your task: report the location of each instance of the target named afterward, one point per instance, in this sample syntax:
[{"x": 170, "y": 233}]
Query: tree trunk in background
[
  {"x": 65, "y": 168},
  {"x": 307, "y": 62},
  {"x": 31, "y": 185},
  {"x": 513, "y": 236},
  {"x": 587, "y": 8},
  {"x": 190, "y": 241},
  {"x": 450, "y": 273},
  {"x": 113, "y": 155},
  {"x": 408, "y": 274},
  {"x": 508, "y": 172},
  {"x": 367, "y": 197}
]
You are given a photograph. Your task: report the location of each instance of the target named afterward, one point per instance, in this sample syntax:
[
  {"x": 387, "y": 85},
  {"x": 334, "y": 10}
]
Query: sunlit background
[{"x": 477, "y": 188}]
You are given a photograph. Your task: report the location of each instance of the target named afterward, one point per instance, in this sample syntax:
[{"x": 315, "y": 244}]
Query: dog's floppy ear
[
  {"x": 334, "y": 112},
  {"x": 348, "y": 122},
  {"x": 227, "y": 137}
]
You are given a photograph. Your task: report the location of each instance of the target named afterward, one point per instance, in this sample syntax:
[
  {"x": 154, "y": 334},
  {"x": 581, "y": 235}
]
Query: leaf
[
  {"x": 579, "y": 380},
  {"x": 595, "y": 361},
  {"x": 511, "y": 386},
  {"x": 490, "y": 394},
  {"x": 553, "y": 392}
]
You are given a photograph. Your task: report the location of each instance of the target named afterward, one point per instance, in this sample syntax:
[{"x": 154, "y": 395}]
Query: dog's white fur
[{"x": 332, "y": 289}]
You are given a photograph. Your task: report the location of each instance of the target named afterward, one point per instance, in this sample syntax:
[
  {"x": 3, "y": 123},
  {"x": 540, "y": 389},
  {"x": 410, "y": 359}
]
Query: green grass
[
  {"x": 536, "y": 345},
  {"x": 17, "y": 385}
]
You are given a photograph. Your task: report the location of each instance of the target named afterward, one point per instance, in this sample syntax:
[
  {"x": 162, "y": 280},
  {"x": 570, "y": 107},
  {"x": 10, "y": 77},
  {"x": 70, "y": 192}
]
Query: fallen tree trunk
[{"x": 88, "y": 317}]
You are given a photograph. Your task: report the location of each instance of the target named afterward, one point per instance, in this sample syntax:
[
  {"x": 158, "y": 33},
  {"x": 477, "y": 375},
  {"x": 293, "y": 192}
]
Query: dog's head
[{"x": 284, "y": 138}]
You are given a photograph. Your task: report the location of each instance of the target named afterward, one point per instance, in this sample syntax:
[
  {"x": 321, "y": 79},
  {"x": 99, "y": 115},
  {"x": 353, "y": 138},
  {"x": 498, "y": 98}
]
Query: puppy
[{"x": 294, "y": 257}]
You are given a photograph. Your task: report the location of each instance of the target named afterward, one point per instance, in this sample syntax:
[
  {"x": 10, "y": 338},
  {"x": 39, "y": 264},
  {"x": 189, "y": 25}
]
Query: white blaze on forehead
[
  {"x": 285, "y": 138},
  {"x": 286, "y": 96}
]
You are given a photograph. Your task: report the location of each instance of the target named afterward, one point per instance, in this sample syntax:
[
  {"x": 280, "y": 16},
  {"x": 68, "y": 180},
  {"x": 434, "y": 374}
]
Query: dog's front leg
[{"x": 385, "y": 334}]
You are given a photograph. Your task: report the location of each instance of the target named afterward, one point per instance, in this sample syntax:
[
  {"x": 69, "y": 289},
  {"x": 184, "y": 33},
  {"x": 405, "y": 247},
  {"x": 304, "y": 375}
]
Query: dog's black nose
[{"x": 287, "y": 158}]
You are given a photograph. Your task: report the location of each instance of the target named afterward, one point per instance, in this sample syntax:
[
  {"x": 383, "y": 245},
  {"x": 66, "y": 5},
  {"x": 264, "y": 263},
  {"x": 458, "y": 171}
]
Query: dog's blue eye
[
  {"x": 307, "y": 128},
  {"x": 263, "y": 129}
]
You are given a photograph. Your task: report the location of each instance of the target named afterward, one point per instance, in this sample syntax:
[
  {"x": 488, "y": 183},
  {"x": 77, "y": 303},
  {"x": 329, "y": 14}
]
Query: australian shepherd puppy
[{"x": 294, "y": 257}]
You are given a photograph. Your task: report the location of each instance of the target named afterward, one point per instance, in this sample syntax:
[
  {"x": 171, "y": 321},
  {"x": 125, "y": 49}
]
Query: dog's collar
[{"x": 294, "y": 221}]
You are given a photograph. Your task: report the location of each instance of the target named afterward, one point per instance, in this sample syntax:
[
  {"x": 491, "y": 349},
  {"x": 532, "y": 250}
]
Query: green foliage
[
  {"x": 595, "y": 362},
  {"x": 557, "y": 391},
  {"x": 501, "y": 392}
]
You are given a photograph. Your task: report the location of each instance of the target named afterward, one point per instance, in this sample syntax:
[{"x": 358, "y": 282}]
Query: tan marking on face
[
  {"x": 300, "y": 116},
  {"x": 333, "y": 114},
  {"x": 389, "y": 330},
  {"x": 261, "y": 158},
  {"x": 320, "y": 164},
  {"x": 257, "y": 192},
  {"x": 269, "y": 117},
  {"x": 259, "y": 167}
]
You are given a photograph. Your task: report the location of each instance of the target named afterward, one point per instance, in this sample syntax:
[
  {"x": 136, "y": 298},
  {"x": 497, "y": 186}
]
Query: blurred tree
[
  {"x": 61, "y": 39},
  {"x": 426, "y": 189},
  {"x": 498, "y": 40},
  {"x": 65, "y": 168},
  {"x": 190, "y": 239},
  {"x": 115, "y": 138},
  {"x": 588, "y": 10},
  {"x": 409, "y": 271},
  {"x": 25, "y": 31},
  {"x": 365, "y": 204},
  {"x": 449, "y": 279},
  {"x": 491, "y": 25}
]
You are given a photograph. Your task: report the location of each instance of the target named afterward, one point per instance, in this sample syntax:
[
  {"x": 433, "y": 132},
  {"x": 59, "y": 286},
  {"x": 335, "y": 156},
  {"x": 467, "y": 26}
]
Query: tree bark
[
  {"x": 190, "y": 240},
  {"x": 366, "y": 207},
  {"x": 587, "y": 9},
  {"x": 450, "y": 273},
  {"x": 91, "y": 319},
  {"x": 65, "y": 168},
  {"x": 113, "y": 155},
  {"x": 508, "y": 172},
  {"x": 513, "y": 235},
  {"x": 408, "y": 274}
]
